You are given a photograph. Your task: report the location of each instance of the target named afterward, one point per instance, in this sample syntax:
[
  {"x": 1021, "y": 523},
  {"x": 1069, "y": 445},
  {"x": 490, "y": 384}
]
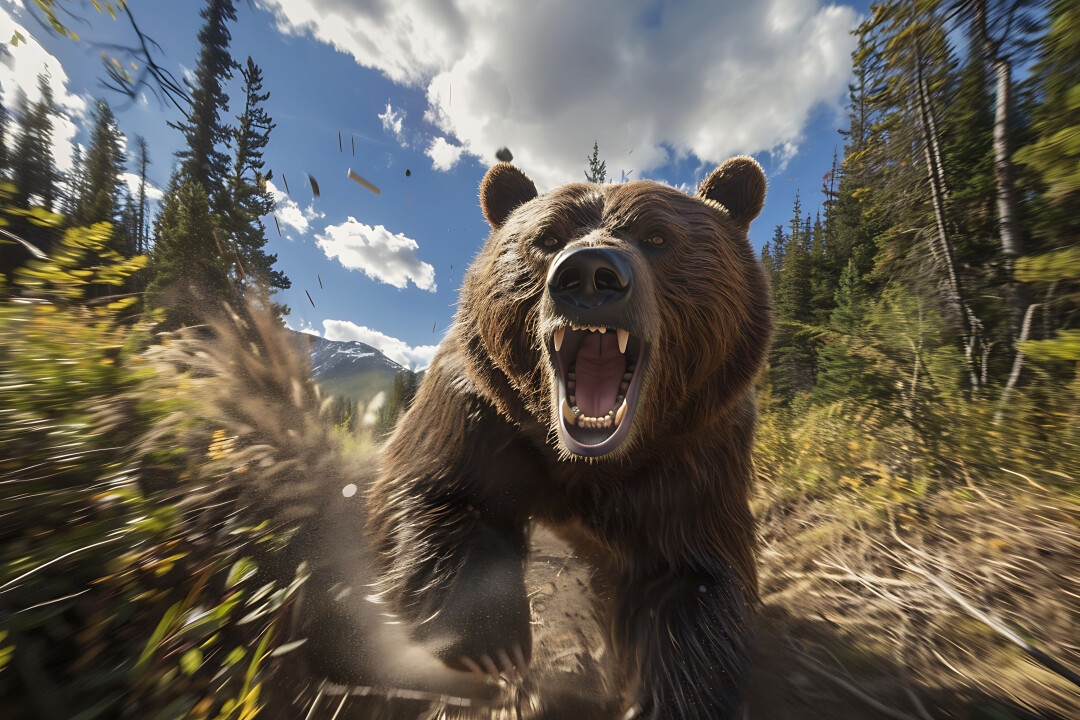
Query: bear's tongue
[{"x": 599, "y": 368}]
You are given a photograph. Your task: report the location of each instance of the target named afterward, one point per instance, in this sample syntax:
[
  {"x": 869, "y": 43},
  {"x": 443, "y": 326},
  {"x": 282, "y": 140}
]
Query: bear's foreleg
[
  {"x": 686, "y": 634},
  {"x": 475, "y": 614},
  {"x": 450, "y": 520}
]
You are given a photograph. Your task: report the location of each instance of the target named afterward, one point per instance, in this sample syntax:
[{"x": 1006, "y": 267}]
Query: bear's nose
[{"x": 591, "y": 285}]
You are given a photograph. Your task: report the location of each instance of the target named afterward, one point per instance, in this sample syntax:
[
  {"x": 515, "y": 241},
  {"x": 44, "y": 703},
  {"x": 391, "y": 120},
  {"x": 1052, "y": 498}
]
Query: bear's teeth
[
  {"x": 588, "y": 328},
  {"x": 567, "y": 413},
  {"x": 624, "y": 336},
  {"x": 620, "y": 413},
  {"x": 559, "y": 337}
]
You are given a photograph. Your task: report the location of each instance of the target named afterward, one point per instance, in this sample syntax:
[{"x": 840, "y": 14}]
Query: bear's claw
[{"x": 513, "y": 669}]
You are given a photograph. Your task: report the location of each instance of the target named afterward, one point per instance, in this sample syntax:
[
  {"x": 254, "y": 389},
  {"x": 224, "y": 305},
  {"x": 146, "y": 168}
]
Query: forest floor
[{"x": 867, "y": 612}]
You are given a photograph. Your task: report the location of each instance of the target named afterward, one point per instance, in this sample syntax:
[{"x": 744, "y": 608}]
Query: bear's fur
[{"x": 661, "y": 506}]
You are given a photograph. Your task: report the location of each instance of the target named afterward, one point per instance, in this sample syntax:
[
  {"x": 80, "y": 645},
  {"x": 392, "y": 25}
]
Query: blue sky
[{"x": 668, "y": 88}]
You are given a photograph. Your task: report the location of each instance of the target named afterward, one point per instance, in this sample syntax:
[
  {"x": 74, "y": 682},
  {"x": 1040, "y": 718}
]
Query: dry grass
[{"x": 920, "y": 607}]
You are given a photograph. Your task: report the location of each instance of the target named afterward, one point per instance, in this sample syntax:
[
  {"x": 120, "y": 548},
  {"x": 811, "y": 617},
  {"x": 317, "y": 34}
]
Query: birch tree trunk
[{"x": 942, "y": 248}]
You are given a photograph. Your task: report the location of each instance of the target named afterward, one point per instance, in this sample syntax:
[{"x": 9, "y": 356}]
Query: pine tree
[
  {"x": 142, "y": 160},
  {"x": 822, "y": 279},
  {"x": 189, "y": 272},
  {"x": 779, "y": 242},
  {"x": 793, "y": 289},
  {"x": 855, "y": 220},
  {"x": 104, "y": 166},
  {"x": 597, "y": 172},
  {"x": 202, "y": 160},
  {"x": 75, "y": 187},
  {"x": 792, "y": 356},
  {"x": 842, "y": 372},
  {"x": 33, "y": 169},
  {"x": 909, "y": 60},
  {"x": 405, "y": 386},
  {"x": 1053, "y": 155},
  {"x": 129, "y": 224},
  {"x": 1052, "y": 158},
  {"x": 768, "y": 264},
  {"x": 249, "y": 200}
]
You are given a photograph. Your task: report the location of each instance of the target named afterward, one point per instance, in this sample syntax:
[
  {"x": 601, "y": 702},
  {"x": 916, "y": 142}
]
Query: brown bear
[{"x": 597, "y": 379}]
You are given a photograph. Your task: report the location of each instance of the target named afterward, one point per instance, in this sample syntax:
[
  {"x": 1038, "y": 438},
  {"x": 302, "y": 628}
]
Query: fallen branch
[
  {"x": 1000, "y": 628},
  {"x": 990, "y": 621}
]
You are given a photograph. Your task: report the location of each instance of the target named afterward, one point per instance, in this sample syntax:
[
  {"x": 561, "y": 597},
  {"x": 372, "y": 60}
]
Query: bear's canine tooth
[
  {"x": 567, "y": 413},
  {"x": 558, "y": 338},
  {"x": 620, "y": 413},
  {"x": 624, "y": 336}
]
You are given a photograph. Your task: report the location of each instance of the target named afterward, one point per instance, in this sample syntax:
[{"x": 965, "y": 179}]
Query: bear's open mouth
[{"x": 599, "y": 371}]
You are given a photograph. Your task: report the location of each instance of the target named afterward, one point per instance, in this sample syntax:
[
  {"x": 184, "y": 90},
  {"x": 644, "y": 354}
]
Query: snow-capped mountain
[
  {"x": 335, "y": 357},
  {"x": 352, "y": 369}
]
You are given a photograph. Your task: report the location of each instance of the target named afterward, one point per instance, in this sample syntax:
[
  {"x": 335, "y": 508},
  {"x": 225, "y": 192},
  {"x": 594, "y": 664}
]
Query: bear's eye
[
  {"x": 549, "y": 241},
  {"x": 655, "y": 240}
]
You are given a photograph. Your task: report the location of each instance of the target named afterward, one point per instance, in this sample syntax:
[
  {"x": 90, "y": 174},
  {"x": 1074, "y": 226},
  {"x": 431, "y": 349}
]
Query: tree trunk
[
  {"x": 942, "y": 249},
  {"x": 1006, "y": 197},
  {"x": 1012, "y": 245},
  {"x": 1018, "y": 361},
  {"x": 142, "y": 238}
]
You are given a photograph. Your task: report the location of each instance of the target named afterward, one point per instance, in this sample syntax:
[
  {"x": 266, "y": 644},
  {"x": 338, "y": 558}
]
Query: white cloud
[
  {"x": 378, "y": 253},
  {"x": 20, "y": 67},
  {"x": 711, "y": 78},
  {"x": 443, "y": 155},
  {"x": 289, "y": 214},
  {"x": 132, "y": 180},
  {"x": 305, "y": 327},
  {"x": 392, "y": 121},
  {"x": 415, "y": 358}
]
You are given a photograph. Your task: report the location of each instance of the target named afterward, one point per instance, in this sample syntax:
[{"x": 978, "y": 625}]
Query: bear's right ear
[
  {"x": 739, "y": 185},
  {"x": 504, "y": 188}
]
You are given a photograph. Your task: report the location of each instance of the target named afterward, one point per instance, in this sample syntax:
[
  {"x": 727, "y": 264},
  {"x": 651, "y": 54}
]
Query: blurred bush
[{"x": 113, "y": 603}]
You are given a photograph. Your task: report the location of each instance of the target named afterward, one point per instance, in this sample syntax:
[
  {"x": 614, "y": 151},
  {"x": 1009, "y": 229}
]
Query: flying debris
[
  {"x": 287, "y": 191},
  {"x": 353, "y": 141},
  {"x": 314, "y": 185},
  {"x": 504, "y": 155},
  {"x": 408, "y": 172},
  {"x": 433, "y": 325},
  {"x": 277, "y": 225},
  {"x": 29, "y": 248},
  {"x": 217, "y": 241},
  {"x": 239, "y": 264},
  {"x": 309, "y": 298},
  {"x": 339, "y": 141},
  {"x": 365, "y": 183},
  {"x": 320, "y": 280}
]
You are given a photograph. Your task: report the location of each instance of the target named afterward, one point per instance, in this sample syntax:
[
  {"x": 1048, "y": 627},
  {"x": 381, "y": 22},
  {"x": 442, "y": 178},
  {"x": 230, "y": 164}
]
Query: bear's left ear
[
  {"x": 738, "y": 185},
  {"x": 504, "y": 188}
]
